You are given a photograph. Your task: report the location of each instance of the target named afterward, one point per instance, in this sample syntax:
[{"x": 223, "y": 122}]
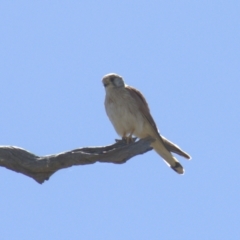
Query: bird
[{"x": 130, "y": 115}]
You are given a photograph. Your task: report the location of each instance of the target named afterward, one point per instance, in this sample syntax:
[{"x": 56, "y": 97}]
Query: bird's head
[{"x": 112, "y": 80}]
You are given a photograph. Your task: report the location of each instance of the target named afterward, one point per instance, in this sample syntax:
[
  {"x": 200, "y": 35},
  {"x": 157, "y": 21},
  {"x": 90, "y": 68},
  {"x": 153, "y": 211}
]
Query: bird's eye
[{"x": 112, "y": 79}]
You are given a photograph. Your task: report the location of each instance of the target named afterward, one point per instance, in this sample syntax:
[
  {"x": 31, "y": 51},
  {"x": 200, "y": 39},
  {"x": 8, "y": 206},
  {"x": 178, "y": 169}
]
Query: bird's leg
[
  {"x": 129, "y": 139},
  {"x": 124, "y": 137}
]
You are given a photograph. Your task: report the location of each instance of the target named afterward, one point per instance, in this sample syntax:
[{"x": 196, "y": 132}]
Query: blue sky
[{"x": 184, "y": 57}]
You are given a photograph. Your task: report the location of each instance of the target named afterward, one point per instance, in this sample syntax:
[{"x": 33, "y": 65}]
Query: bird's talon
[{"x": 128, "y": 140}]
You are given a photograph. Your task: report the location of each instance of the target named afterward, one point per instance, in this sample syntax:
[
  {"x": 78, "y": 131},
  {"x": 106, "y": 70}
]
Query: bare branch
[{"x": 41, "y": 168}]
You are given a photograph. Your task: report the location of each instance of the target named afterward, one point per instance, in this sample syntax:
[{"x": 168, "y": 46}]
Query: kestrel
[{"x": 129, "y": 113}]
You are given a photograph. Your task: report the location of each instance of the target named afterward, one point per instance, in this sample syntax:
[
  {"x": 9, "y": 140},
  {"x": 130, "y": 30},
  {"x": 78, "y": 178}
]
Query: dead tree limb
[{"x": 41, "y": 168}]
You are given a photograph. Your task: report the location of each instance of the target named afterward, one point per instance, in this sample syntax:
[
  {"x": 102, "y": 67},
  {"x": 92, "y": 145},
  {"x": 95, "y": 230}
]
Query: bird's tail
[
  {"x": 167, "y": 156},
  {"x": 171, "y": 147}
]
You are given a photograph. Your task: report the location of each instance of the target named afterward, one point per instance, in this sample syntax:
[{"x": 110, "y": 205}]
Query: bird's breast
[{"x": 123, "y": 113}]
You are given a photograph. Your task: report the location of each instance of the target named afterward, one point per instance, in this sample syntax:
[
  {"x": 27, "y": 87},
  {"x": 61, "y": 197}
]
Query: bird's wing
[
  {"x": 143, "y": 106},
  {"x": 159, "y": 145}
]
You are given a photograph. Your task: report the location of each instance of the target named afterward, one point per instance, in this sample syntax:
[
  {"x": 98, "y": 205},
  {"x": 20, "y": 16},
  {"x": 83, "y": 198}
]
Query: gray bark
[{"x": 42, "y": 168}]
